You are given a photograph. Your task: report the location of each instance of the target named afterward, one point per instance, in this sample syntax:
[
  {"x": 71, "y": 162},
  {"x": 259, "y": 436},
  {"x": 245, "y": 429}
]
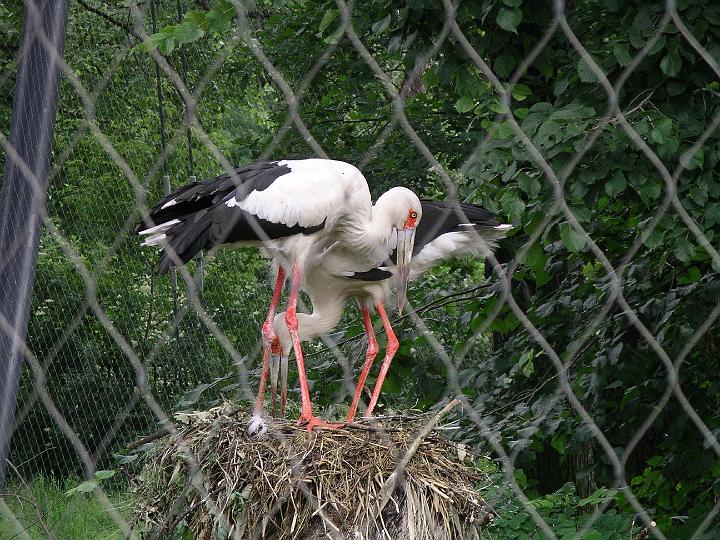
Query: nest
[{"x": 397, "y": 478}]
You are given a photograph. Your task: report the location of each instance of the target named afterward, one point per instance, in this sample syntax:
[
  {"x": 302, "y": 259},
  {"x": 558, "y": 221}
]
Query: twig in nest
[
  {"x": 390, "y": 484},
  {"x": 148, "y": 438}
]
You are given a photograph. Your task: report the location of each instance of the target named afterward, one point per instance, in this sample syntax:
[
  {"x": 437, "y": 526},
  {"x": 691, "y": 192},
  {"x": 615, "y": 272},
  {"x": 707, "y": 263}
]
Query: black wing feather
[
  {"x": 205, "y": 221},
  {"x": 199, "y": 195},
  {"x": 442, "y": 217},
  {"x": 438, "y": 218},
  {"x": 375, "y": 274}
]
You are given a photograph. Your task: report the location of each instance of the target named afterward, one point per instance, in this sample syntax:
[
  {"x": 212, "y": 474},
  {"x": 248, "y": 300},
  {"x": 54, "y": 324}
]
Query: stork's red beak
[{"x": 406, "y": 241}]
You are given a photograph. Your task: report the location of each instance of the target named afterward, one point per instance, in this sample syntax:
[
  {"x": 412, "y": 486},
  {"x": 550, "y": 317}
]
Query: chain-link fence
[{"x": 566, "y": 359}]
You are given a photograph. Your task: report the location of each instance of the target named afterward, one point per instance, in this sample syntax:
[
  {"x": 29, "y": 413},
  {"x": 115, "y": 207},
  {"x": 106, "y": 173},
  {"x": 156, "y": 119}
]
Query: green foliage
[
  {"x": 567, "y": 514},
  {"x": 80, "y": 516}
]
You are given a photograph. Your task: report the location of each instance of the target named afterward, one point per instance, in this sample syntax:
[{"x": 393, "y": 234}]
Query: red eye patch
[{"x": 411, "y": 219}]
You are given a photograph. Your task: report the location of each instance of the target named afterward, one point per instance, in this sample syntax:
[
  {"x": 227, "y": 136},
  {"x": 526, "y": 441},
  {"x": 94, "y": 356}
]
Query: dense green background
[{"x": 670, "y": 99}]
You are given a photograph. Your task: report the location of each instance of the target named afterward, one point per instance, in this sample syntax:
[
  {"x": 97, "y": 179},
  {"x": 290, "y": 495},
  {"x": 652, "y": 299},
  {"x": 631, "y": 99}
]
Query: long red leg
[
  {"x": 306, "y": 415},
  {"x": 292, "y": 324},
  {"x": 283, "y": 389},
  {"x": 370, "y": 355},
  {"x": 274, "y": 373},
  {"x": 392, "y": 347},
  {"x": 268, "y": 335}
]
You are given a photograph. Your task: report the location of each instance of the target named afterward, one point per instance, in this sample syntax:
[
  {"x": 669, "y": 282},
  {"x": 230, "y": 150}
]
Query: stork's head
[{"x": 404, "y": 211}]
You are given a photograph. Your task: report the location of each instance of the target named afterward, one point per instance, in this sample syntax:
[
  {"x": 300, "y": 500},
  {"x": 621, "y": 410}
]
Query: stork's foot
[
  {"x": 258, "y": 427},
  {"x": 311, "y": 422}
]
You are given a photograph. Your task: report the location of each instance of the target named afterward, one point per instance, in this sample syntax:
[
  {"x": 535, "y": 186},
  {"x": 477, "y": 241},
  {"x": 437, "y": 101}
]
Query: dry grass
[{"x": 329, "y": 484}]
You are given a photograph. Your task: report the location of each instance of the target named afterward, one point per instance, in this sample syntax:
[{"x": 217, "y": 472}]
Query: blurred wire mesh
[{"x": 101, "y": 323}]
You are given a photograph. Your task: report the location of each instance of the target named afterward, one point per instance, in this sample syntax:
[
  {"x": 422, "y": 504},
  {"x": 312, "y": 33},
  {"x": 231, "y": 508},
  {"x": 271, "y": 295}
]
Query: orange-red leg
[
  {"x": 274, "y": 373},
  {"x": 292, "y": 324},
  {"x": 283, "y": 389},
  {"x": 392, "y": 347},
  {"x": 370, "y": 355},
  {"x": 268, "y": 336},
  {"x": 306, "y": 415}
]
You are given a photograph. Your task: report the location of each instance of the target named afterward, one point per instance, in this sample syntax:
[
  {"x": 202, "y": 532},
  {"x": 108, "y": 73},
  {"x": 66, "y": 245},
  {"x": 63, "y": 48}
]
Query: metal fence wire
[{"x": 112, "y": 353}]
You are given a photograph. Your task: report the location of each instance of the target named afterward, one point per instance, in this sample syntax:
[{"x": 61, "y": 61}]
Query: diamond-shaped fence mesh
[{"x": 583, "y": 351}]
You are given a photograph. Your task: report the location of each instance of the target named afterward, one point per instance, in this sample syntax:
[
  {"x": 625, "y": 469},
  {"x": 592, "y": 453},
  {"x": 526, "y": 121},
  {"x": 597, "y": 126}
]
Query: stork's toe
[{"x": 258, "y": 427}]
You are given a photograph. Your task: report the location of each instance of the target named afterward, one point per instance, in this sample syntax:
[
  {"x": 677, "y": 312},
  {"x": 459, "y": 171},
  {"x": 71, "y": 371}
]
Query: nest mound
[{"x": 394, "y": 478}]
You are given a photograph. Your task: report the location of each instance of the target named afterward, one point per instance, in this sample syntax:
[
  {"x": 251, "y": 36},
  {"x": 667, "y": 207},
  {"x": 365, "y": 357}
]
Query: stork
[
  {"x": 286, "y": 208},
  {"x": 446, "y": 230}
]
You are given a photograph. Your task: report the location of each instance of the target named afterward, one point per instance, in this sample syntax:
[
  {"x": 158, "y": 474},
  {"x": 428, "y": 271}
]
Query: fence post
[{"x": 22, "y": 201}]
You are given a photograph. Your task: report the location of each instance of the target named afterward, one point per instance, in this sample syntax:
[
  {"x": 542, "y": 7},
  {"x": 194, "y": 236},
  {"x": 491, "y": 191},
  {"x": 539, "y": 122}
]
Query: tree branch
[{"x": 112, "y": 20}]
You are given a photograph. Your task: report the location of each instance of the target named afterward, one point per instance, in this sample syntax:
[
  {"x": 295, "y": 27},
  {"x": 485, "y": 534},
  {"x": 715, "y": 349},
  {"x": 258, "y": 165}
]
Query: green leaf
[
  {"x": 558, "y": 443},
  {"x": 529, "y": 185},
  {"x": 560, "y": 86},
  {"x": 191, "y": 396},
  {"x": 198, "y": 18},
  {"x": 657, "y": 46},
  {"x": 622, "y": 54},
  {"x": 616, "y": 184},
  {"x": 153, "y": 41},
  {"x": 599, "y": 496},
  {"x": 504, "y": 65},
  {"x": 167, "y": 46},
  {"x": 535, "y": 257},
  {"x": 329, "y": 16},
  {"x": 691, "y": 276},
  {"x": 187, "y": 33},
  {"x": 528, "y": 368},
  {"x": 512, "y": 204},
  {"x": 85, "y": 487},
  {"x": 581, "y": 213},
  {"x": 592, "y": 534},
  {"x": 586, "y": 74},
  {"x": 220, "y": 17},
  {"x": 501, "y": 131},
  {"x": 335, "y": 36},
  {"x": 391, "y": 386},
  {"x": 684, "y": 249},
  {"x": 521, "y": 113},
  {"x": 671, "y": 63},
  {"x": 655, "y": 239},
  {"x": 521, "y": 92},
  {"x": 650, "y": 190},
  {"x": 465, "y": 104},
  {"x": 571, "y": 238},
  {"x": 104, "y": 474},
  {"x": 125, "y": 459},
  {"x": 508, "y": 19},
  {"x": 513, "y": 3},
  {"x": 695, "y": 161},
  {"x": 662, "y": 129}
]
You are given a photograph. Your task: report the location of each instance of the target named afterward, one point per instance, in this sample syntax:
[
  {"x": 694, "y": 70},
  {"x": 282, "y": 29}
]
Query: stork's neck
[
  {"x": 327, "y": 311},
  {"x": 370, "y": 233}
]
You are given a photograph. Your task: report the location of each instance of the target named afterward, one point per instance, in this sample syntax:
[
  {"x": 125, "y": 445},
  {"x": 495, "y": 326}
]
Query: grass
[{"x": 24, "y": 510}]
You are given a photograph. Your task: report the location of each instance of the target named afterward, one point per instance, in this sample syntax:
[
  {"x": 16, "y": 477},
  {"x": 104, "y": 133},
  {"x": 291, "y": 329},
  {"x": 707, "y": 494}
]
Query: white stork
[
  {"x": 285, "y": 207},
  {"x": 446, "y": 230}
]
